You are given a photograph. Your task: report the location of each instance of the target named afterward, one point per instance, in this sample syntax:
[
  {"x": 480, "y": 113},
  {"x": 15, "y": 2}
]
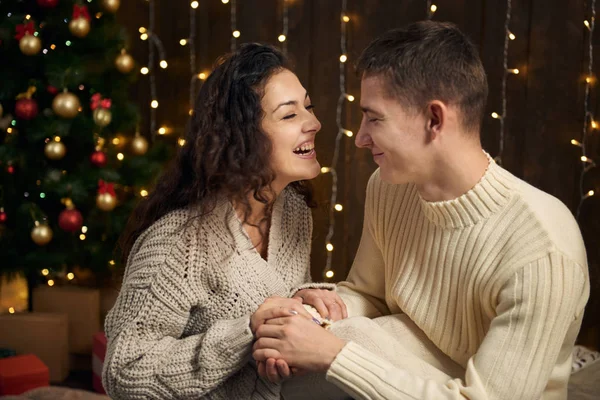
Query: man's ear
[{"x": 436, "y": 114}]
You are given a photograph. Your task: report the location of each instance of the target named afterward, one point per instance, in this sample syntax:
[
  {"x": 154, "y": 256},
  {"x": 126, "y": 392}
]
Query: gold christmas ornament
[
  {"x": 79, "y": 27},
  {"x": 55, "y": 150},
  {"x": 102, "y": 117},
  {"x": 41, "y": 234},
  {"x": 30, "y": 45},
  {"x": 139, "y": 145},
  {"x": 111, "y": 5},
  {"x": 124, "y": 62},
  {"x": 106, "y": 201},
  {"x": 66, "y": 105}
]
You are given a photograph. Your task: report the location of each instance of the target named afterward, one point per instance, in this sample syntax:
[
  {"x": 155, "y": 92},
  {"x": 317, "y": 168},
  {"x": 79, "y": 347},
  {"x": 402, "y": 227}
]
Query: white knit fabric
[
  {"x": 497, "y": 279},
  {"x": 180, "y": 326}
]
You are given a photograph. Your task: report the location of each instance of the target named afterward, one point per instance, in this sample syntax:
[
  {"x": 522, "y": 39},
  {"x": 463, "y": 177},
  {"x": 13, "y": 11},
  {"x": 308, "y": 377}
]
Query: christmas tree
[{"x": 73, "y": 162}]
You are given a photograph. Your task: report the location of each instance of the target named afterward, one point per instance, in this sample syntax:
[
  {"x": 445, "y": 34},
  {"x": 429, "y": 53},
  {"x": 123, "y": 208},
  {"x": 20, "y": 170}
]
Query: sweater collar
[
  {"x": 241, "y": 239},
  {"x": 490, "y": 194}
]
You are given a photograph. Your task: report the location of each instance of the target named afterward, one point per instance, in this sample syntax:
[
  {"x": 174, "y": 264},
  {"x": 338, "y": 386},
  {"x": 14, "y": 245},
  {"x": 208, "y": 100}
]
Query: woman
[{"x": 220, "y": 244}]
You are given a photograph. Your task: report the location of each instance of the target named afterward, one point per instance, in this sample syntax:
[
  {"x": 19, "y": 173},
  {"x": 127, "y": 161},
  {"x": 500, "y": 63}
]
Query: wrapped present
[
  {"x": 13, "y": 294},
  {"x": 42, "y": 334},
  {"x": 22, "y": 373},
  {"x": 82, "y": 306},
  {"x": 98, "y": 355}
]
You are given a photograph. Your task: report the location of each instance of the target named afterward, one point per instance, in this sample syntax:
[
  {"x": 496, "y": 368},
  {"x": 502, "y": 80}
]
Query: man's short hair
[{"x": 427, "y": 61}]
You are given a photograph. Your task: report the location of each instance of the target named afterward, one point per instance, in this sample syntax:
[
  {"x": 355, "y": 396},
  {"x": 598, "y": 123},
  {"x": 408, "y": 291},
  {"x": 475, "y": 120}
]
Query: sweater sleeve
[
  {"x": 147, "y": 355},
  {"x": 364, "y": 289},
  {"x": 538, "y": 316}
]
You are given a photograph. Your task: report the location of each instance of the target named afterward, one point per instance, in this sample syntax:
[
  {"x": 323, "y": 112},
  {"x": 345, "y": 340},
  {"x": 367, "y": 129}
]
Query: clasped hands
[{"x": 289, "y": 341}]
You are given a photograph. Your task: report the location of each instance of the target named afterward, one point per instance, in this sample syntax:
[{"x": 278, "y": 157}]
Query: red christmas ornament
[
  {"x": 98, "y": 158},
  {"x": 26, "y": 109},
  {"x": 24, "y": 29},
  {"x": 10, "y": 169},
  {"x": 51, "y": 89},
  {"x": 81, "y": 12},
  {"x": 3, "y": 215},
  {"x": 47, "y": 3},
  {"x": 70, "y": 220}
]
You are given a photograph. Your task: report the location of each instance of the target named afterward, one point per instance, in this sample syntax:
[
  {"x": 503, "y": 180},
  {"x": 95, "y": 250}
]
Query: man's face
[{"x": 395, "y": 135}]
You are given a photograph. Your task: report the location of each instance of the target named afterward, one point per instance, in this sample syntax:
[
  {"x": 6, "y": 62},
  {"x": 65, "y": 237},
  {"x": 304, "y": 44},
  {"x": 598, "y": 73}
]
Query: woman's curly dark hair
[{"x": 226, "y": 153}]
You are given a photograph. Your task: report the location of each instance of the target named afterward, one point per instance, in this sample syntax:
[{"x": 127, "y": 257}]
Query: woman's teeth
[{"x": 304, "y": 149}]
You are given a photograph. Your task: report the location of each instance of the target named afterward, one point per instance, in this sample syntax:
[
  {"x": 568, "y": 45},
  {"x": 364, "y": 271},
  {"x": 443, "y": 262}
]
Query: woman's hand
[
  {"x": 299, "y": 342},
  {"x": 327, "y": 302},
  {"x": 277, "y": 371},
  {"x": 276, "y": 307}
]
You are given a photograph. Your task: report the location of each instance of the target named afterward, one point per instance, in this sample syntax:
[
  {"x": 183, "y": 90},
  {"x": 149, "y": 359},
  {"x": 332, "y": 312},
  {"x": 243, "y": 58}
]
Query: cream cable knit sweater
[
  {"x": 180, "y": 326},
  {"x": 496, "y": 278}
]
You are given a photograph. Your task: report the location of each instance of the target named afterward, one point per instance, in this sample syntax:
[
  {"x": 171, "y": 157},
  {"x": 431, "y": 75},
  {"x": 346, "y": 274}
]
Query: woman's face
[{"x": 291, "y": 125}]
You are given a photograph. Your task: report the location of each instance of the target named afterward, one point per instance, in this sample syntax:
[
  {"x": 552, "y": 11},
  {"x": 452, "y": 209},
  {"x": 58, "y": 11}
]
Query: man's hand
[
  {"x": 299, "y": 341},
  {"x": 327, "y": 302}
]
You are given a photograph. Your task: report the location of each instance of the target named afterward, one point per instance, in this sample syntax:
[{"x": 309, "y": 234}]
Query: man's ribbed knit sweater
[{"x": 497, "y": 279}]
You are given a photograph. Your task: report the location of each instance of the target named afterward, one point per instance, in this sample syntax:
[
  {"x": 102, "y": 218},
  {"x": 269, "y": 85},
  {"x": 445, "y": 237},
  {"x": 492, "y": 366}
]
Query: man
[{"x": 487, "y": 268}]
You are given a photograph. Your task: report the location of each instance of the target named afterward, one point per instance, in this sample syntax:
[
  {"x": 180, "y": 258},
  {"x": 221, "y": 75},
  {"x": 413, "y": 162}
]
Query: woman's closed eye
[{"x": 310, "y": 107}]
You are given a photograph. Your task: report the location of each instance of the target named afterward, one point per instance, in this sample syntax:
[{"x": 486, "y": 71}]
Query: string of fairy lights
[
  {"x": 342, "y": 131},
  {"x": 588, "y": 120},
  {"x": 235, "y": 33},
  {"x": 154, "y": 44},
  {"x": 431, "y": 8},
  {"x": 508, "y": 37},
  {"x": 284, "y": 26}
]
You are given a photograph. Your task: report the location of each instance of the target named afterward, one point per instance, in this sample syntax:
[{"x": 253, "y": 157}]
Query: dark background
[{"x": 545, "y": 101}]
